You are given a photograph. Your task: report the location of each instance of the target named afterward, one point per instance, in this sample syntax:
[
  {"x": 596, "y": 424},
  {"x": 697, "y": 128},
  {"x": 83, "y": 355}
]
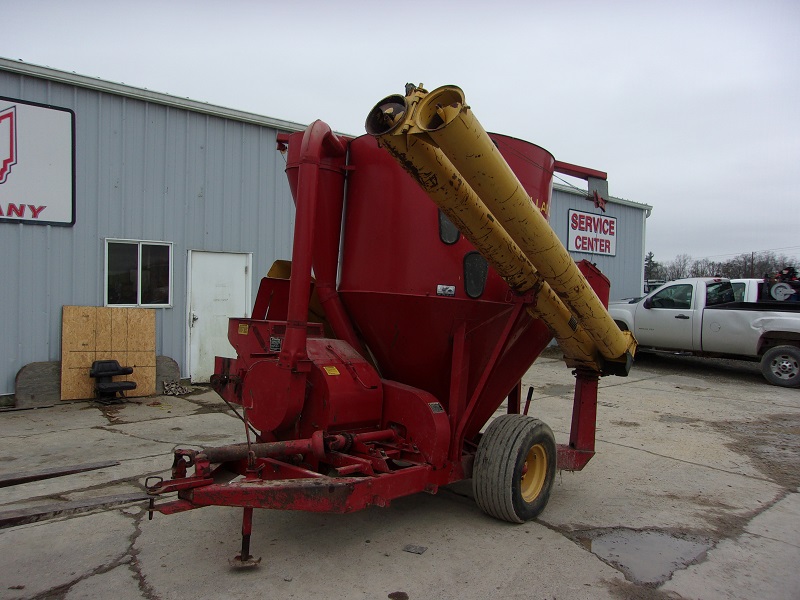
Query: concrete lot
[{"x": 693, "y": 493}]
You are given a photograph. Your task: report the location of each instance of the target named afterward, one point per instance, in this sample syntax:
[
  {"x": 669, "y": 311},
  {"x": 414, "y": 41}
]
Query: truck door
[{"x": 665, "y": 319}]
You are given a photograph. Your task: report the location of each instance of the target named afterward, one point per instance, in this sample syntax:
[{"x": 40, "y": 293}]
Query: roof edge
[
  {"x": 94, "y": 83},
  {"x": 579, "y": 192}
]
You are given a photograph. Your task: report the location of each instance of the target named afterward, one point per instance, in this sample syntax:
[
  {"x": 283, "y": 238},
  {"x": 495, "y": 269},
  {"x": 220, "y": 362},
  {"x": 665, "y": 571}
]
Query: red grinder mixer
[{"x": 436, "y": 284}]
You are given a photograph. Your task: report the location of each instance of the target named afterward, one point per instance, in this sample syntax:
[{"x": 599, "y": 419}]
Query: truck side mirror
[{"x": 648, "y": 303}]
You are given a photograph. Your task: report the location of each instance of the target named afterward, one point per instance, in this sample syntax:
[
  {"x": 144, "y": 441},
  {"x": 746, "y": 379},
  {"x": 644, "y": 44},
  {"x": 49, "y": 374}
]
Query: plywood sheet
[
  {"x": 102, "y": 336},
  {"x": 89, "y": 333},
  {"x": 141, "y": 359},
  {"x": 141, "y": 332},
  {"x": 79, "y": 360},
  {"x": 145, "y": 378},
  {"x": 76, "y": 384},
  {"x": 78, "y": 325},
  {"x": 119, "y": 328}
]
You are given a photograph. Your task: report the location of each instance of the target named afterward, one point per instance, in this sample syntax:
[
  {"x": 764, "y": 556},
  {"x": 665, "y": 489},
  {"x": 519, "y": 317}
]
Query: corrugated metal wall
[
  {"x": 143, "y": 171},
  {"x": 158, "y": 168},
  {"x": 626, "y": 269}
]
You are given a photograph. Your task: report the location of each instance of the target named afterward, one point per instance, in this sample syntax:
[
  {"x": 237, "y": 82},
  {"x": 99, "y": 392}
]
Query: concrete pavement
[{"x": 693, "y": 494}]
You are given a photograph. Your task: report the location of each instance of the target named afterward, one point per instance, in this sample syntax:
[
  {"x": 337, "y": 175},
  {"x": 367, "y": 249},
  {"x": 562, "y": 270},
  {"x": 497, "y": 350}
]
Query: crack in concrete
[
  {"x": 145, "y": 588},
  {"x": 129, "y": 558},
  {"x": 173, "y": 443},
  {"x": 687, "y": 462}
]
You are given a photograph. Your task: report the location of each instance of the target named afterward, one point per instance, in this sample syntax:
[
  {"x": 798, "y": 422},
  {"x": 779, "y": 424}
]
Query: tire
[
  {"x": 781, "y": 366},
  {"x": 514, "y": 468}
]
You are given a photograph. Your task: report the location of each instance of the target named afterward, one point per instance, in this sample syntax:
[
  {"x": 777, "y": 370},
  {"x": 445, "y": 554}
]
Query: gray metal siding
[
  {"x": 626, "y": 269},
  {"x": 158, "y": 168},
  {"x": 144, "y": 171}
]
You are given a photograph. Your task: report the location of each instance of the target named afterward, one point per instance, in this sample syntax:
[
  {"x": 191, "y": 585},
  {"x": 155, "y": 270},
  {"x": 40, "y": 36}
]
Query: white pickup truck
[{"x": 700, "y": 316}]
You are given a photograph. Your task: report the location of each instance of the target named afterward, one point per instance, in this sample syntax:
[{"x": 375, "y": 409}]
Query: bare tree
[
  {"x": 753, "y": 264},
  {"x": 680, "y": 267},
  {"x": 704, "y": 268}
]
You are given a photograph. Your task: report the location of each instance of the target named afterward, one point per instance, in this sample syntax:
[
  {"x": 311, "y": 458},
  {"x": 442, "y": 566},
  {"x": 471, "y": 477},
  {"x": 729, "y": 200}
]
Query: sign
[
  {"x": 37, "y": 163},
  {"x": 592, "y": 234}
]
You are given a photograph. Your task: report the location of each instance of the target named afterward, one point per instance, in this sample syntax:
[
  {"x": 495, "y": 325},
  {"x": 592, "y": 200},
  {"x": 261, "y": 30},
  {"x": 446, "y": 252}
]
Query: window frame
[
  {"x": 139, "y": 244},
  {"x": 668, "y": 292}
]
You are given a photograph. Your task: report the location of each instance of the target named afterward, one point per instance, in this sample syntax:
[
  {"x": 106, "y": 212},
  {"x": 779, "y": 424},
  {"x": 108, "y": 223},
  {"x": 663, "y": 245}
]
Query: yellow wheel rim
[{"x": 534, "y": 472}]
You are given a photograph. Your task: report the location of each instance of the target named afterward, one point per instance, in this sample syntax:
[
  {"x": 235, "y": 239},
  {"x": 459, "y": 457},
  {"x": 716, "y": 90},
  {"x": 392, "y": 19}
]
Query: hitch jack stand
[{"x": 244, "y": 560}]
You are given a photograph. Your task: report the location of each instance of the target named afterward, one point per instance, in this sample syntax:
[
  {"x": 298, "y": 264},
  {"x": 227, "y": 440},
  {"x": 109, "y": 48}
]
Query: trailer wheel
[
  {"x": 781, "y": 366},
  {"x": 514, "y": 468}
]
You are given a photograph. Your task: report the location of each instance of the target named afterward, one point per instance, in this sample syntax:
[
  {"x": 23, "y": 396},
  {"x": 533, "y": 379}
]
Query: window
[
  {"x": 448, "y": 232},
  {"x": 674, "y": 296},
  {"x": 720, "y": 292},
  {"x": 138, "y": 273},
  {"x": 738, "y": 292}
]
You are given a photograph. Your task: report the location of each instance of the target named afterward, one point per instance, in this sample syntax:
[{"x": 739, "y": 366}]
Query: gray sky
[{"x": 691, "y": 107}]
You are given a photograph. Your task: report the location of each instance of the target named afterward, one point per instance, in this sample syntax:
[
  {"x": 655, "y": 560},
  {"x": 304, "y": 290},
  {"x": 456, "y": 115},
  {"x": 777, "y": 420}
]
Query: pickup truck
[{"x": 700, "y": 316}]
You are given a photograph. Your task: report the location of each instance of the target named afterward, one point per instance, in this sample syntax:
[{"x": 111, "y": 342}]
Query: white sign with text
[
  {"x": 37, "y": 164},
  {"x": 592, "y": 234}
]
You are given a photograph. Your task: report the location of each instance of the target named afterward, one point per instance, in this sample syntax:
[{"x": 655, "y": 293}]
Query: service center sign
[
  {"x": 37, "y": 163},
  {"x": 593, "y": 234}
]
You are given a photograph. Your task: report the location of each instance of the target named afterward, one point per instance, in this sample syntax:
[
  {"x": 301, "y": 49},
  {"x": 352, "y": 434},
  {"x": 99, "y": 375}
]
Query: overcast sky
[{"x": 690, "y": 107}]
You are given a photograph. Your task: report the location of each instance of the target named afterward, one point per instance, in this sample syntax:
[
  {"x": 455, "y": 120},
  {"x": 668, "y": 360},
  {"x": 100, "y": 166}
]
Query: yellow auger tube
[
  {"x": 447, "y": 120},
  {"x": 435, "y": 174},
  {"x": 462, "y": 206}
]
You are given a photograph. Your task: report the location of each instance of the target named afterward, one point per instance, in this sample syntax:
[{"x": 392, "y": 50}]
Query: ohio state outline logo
[{"x": 8, "y": 141}]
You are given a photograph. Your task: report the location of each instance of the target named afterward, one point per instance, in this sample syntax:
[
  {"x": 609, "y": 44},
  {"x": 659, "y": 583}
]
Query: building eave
[
  {"x": 621, "y": 201},
  {"x": 121, "y": 89}
]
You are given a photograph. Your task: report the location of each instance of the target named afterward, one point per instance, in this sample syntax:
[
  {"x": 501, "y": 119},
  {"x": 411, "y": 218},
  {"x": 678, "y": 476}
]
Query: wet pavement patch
[
  {"x": 772, "y": 443},
  {"x": 555, "y": 389},
  {"x": 646, "y": 557}
]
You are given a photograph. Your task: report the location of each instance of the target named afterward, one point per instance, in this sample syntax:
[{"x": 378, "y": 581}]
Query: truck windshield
[{"x": 719, "y": 292}]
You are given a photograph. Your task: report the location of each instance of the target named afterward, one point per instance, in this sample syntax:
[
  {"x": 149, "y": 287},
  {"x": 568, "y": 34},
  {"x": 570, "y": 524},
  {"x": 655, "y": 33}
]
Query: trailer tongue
[{"x": 374, "y": 379}]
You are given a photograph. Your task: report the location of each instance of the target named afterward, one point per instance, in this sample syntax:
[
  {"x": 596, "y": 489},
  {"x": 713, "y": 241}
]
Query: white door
[{"x": 219, "y": 288}]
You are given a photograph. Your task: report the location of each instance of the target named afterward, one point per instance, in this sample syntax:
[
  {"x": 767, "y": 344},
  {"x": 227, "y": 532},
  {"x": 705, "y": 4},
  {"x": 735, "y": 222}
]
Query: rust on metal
[{"x": 10, "y": 479}]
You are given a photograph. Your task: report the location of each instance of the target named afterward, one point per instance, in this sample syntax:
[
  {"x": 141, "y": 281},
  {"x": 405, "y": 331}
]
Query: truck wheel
[
  {"x": 514, "y": 468},
  {"x": 781, "y": 366}
]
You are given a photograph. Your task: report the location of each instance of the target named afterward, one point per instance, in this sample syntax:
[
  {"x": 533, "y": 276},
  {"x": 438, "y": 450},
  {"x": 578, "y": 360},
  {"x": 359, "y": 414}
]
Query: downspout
[{"x": 318, "y": 141}]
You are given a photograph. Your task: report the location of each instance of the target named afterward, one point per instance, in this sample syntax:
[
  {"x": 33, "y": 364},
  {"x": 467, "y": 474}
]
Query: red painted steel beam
[
  {"x": 330, "y": 494},
  {"x": 584, "y": 423},
  {"x": 578, "y": 171}
]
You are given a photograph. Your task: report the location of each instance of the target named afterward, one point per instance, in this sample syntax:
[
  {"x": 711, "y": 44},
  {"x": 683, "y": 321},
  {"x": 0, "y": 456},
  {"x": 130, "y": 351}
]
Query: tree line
[{"x": 748, "y": 265}]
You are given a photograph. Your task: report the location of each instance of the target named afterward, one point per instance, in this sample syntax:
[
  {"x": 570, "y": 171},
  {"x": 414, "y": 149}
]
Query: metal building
[
  {"x": 621, "y": 259},
  {"x": 114, "y": 195}
]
